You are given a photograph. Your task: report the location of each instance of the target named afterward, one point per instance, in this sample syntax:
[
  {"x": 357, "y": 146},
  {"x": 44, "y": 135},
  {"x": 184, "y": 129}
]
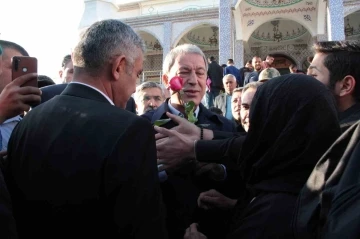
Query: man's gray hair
[
  {"x": 229, "y": 76},
  {"x": 147, "y": 85},
  {"x": 182, "y": 50},
  {"x": 252, "y": 85},
  {"x": 102, "y": 41}
]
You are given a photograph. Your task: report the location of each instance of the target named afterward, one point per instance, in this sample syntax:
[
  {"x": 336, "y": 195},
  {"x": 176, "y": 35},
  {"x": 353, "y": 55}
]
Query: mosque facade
[{"x": 237, "y": 29}]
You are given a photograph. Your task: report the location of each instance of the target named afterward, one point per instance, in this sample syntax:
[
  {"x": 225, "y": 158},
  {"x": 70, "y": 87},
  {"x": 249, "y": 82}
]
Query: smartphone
[{"x": 22, "y": 65}]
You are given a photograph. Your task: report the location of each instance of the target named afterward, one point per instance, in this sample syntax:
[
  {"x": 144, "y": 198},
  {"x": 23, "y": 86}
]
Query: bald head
[{"x": 229, "y": 82}]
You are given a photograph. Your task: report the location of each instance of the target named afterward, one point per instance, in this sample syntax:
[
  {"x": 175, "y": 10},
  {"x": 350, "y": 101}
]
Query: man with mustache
[{"x": 148, "y": 96}]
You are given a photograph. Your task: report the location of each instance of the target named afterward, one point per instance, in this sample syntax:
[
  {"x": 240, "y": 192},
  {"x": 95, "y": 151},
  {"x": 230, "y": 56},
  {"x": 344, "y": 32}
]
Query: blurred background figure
[
  {"x": 44, "y": 80},
  {"x": 67, "y": 70},
  {"x": 148, "y": 96}
]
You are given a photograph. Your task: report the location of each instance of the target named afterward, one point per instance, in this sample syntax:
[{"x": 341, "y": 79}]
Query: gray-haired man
[
  {"x": 90, "y": 166},
  {"x": 148, "y": 96}
]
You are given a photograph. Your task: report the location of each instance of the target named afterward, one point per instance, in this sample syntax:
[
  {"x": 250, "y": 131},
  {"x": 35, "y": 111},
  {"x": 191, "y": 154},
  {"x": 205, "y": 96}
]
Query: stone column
[
  {"x": 225, "y": 31},
  {"x": 335, "y": 20},
  {"x": 239, "y": 53},
  {"x": 167, "y": 38}
]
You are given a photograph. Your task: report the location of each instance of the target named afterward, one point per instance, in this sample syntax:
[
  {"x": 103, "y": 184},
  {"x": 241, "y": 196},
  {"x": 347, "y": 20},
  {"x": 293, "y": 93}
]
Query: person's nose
[
  {"x": 152, "y": 102},
  {"x": 192, "y": 78}
]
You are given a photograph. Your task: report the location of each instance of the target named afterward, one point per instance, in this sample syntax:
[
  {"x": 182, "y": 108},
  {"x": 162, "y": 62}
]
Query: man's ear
[
  {"x": 60, "y": 73},
  {"x": 118, "y": 66},
  {"x": 165, "y": 80},
  {"x": 347, "y": 85}
]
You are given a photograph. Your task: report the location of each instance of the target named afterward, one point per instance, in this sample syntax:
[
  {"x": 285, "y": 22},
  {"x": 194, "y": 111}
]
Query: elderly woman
[{"x": 293, "y": 120}]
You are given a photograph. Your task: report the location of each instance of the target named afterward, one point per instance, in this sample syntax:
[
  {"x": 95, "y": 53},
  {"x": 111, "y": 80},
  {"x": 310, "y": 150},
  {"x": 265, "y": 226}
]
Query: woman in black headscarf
[{"x": 293, "y": 120}]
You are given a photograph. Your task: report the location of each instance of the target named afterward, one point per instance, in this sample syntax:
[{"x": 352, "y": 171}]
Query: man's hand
[
  {"x": 14, "y": 99},
  {"x": 193, "y": 233},
  {"x": 184, "y": 127},
  {"x": 173, "y": 149},
  {"x": 213, "y": 199}
]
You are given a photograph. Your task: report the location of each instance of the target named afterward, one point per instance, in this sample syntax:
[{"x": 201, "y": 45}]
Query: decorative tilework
[
  {"x": 167, "y": 38},
  {"x": 335, "y": 20},
  {"x": 184, "y": 27},
  {"x": 225, "y": 31},
  {"x": 272, "y": 4},
  {"x": 298, "y": 52},
  {"x": 250, "y": 22},
  {"x": 348, "y": 9},
  {"x": 239, "y": 53},
  {"x": 307, "y": 17},
  {"x": 156, "y": 31},
  {"x": 214, "y": 53},
  {"x": 279, "y": 12},
  {"x": 152, "y": 67}
]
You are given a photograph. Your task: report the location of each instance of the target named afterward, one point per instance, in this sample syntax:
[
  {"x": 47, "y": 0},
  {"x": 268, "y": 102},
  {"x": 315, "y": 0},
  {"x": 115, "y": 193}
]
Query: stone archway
[
  {"x": 282, "y": 62},
  {"x": 205, "y": 36},
  {"x": 286, "y": 37},
  {"x": 352, "y": 26},
  {"x": 186, "y": 27},
  {"x": 153, "y": 59}
]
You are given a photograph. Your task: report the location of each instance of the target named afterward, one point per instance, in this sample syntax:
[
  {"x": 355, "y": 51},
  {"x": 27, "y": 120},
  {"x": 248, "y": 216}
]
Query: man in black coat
[
  {"x": 182, "y": 185},
  {"x": 80, "y": 166},
  {"x": 215, "y": 73}
]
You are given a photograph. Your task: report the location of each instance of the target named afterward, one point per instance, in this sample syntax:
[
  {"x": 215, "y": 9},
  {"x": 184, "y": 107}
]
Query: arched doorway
[
  {"x": 352, "y": 26},
  {"x": 206, "y": 37},
  {"x": 153, "y": 59},
  {"x": 282, "y": 63},
  {"x": 287, "y": 40}
]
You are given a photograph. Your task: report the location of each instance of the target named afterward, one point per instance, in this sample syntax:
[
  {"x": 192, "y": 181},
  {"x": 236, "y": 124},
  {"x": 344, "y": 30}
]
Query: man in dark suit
[
  {"x": 231, "y": 69},
  {"x": 80, "y": 165},
  {"x": 215, "y": 73},
  {"x": 182, "y": 185}
]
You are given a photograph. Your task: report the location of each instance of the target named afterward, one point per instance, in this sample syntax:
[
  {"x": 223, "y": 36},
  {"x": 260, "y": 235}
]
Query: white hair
[{"x": 182, "y": 50}]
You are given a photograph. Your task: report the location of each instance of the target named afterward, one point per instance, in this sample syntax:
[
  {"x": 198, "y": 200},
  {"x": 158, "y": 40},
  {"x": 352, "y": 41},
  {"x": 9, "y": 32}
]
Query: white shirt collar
[
  {"x": 92, "y": 87},
  {"x": 176, "y": 112}
]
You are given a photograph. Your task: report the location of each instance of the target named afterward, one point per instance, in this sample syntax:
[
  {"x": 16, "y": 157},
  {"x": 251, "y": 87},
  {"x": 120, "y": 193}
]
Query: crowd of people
[{"x": 269, "y": 156}]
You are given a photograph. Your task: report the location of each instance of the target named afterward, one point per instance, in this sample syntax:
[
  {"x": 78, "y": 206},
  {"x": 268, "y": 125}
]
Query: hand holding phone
[
  {"x": 22, "y": 65},
  {"x": 22, "y": 93}
]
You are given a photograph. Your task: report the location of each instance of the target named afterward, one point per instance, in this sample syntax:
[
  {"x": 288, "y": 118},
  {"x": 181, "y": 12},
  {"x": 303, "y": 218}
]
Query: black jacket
[
  {"x": 181, "y": 190},
  {"x": 81, "y": 167}
]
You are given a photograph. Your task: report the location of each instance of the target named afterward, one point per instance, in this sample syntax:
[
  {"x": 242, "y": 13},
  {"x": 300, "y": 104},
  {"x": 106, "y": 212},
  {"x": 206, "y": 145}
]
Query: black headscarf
[{"x": 293, "y": 121}]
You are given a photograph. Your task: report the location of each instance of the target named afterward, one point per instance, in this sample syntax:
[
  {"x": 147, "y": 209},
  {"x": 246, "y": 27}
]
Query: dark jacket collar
[
  {"x": 83, "y": 91},
  {"x": 349, "y": 116}
]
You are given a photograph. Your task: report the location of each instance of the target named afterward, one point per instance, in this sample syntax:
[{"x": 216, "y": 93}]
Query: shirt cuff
[{"x": 162, "y": 175}]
